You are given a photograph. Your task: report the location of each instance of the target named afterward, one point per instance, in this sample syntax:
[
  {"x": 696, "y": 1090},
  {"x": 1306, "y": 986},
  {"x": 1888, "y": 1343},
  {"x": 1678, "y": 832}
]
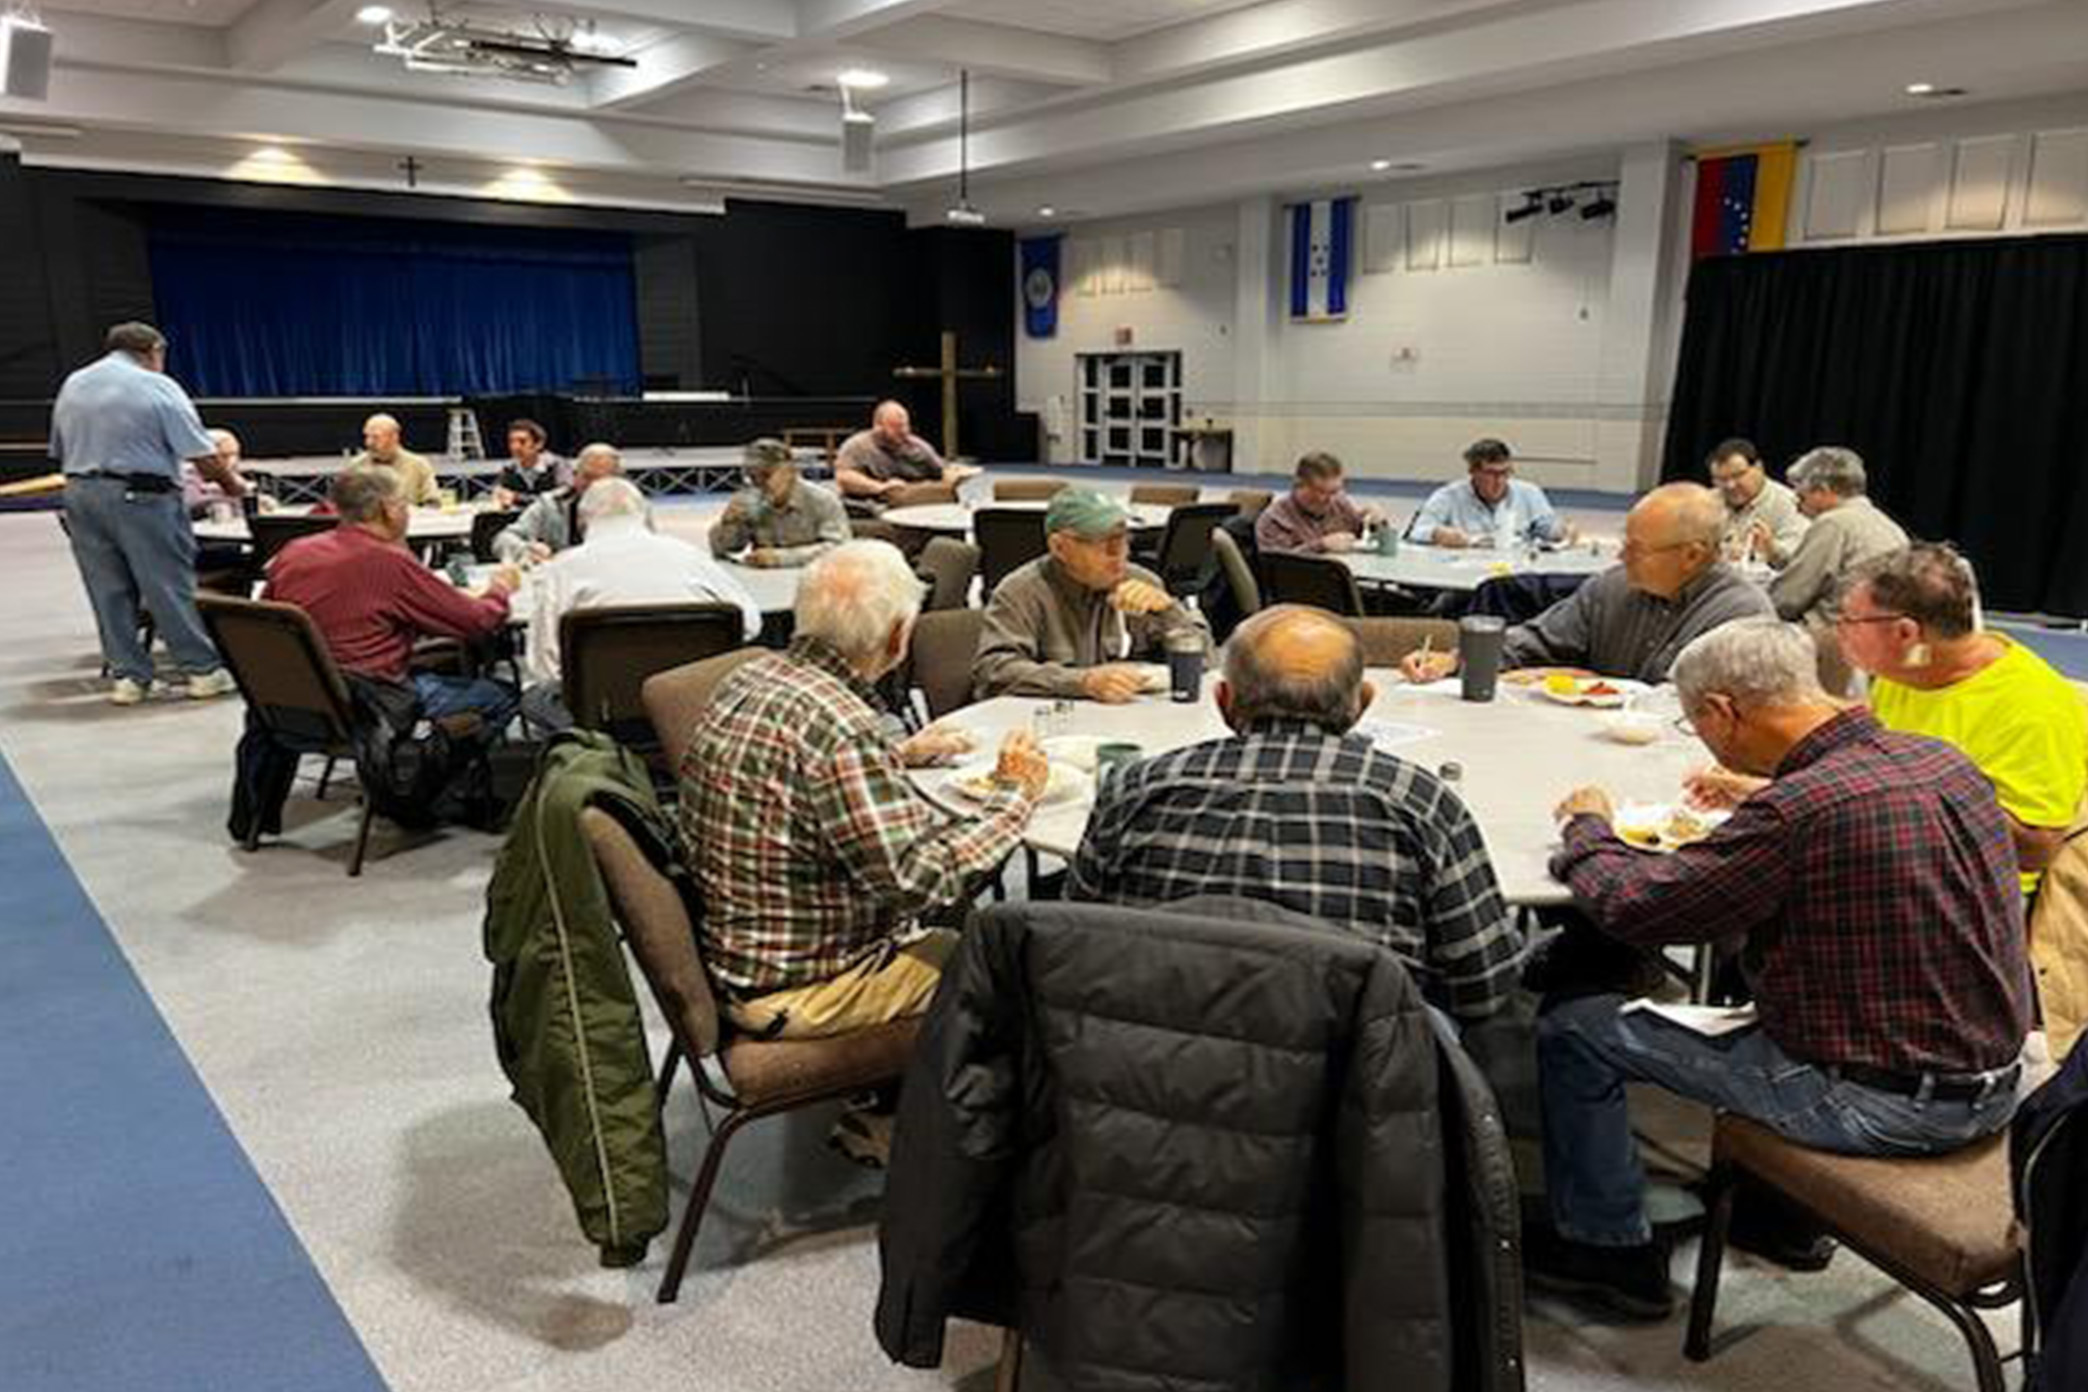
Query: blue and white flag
[
  {"x": 1040, "y": 285},
  {"x": 1321, "y": 251}
]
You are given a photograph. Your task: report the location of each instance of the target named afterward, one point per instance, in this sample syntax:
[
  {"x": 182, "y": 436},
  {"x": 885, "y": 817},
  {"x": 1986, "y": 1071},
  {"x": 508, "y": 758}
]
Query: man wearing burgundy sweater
[{"x": 372, "y": 599}]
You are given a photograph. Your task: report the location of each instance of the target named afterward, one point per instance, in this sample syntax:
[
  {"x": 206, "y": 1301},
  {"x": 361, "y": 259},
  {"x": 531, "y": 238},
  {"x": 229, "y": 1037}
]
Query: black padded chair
[
  {"x": 1008, "y": 539},
  {"x": 272, "y": 531},
  {"x": 485, "y": 526},
  {"x": 1324, "y": 584},
  {"x": 606, "y": 654},
  {"x": 1185, "y": 557}
]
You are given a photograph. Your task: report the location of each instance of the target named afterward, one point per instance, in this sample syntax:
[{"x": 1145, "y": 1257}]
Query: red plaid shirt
[
  {"x": 811, "y": 844},
  {"x": 1875, "y": 882}
]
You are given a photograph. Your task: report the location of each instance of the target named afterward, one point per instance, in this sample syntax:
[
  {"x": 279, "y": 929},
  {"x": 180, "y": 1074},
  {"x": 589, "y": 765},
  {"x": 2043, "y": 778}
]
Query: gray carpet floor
[{"x": 340, "y": 1027}]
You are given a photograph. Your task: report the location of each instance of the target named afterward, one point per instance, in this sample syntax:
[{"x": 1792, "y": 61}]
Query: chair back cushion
[
  {"x": 282, "y": 666},
  {"x": 1185, "y": 547},
  {"x": 1313, "y": 580},
  {"x": 1008, "y": 538},
  {"x": 273, "y": 531},
  {"x": 607, "y": 653},
  {"x": 1166, "y": 494},
  {"x": 921, "y": 494},
  {"x": 659, "y": 931},
  {"x": 1386, "y": 641},
  {"x": 944, "y": 644},
  {"x": 674, "y": 699},
  {"x": 1250, "y": 501},
  {"x": 485, "y": 526},
  {"x": 950, "y": 566},
  {"x": 1027, "y": 490},
  {"x": 1238, "y": 574}
]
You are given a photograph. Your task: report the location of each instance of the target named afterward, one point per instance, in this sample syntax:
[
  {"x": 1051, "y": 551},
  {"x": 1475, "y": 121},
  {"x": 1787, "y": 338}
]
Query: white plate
[
  {"x": 1066, "y": 784},
  {"x": 1648, "y": 821},
  {"x": 1074, "y": 751},
  {"x": 1624, "y": 688}
]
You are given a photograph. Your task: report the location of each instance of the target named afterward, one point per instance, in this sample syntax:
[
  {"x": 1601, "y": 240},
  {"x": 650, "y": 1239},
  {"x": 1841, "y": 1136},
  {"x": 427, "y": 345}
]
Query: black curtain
[{"x": 1958, "y": 370}]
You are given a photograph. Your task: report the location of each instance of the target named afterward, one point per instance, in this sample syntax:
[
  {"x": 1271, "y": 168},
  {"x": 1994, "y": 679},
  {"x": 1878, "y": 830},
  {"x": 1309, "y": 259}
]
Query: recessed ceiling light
[
  {"x": 374, "y": 14},
  {"x": 1920, "y": 89},
  {"x": 1047, "y": 211},
  {"x": 864, "y": 79},
  {"x": 1381, "y": 165},
  {"x": 1932, "y": 91}
]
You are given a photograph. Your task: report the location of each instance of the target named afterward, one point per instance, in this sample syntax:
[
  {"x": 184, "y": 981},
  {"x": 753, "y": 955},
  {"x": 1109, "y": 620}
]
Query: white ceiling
[{"x": 1104, "y": 105}]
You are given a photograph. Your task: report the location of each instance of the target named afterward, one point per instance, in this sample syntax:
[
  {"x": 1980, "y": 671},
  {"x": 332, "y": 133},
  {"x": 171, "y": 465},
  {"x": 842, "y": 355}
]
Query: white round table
[
  {"x": 1521, "y": 754},
  {"x": 956, "y": 518},
  {"x": 426, "y": 524},
  {"x": 773, "y": 589},
  {"x": 1446, "y": 568}
]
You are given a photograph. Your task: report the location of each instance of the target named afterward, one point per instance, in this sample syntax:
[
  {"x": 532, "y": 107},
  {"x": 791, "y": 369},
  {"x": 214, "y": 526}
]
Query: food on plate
[
  {"x": 1665, "y": 828},
  {"x": 1561, "y": 683},
  {"x": 987, "y": 784},
  {"x": 1599, "y": 688}
]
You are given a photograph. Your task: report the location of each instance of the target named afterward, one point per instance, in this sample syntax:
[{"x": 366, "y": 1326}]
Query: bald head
[
  {"x": 1294, "y": 663},
  {"x": 381, "y": 435},
  {"x": 892, "y": 421},
  {"x": 1671, "y": 537}
]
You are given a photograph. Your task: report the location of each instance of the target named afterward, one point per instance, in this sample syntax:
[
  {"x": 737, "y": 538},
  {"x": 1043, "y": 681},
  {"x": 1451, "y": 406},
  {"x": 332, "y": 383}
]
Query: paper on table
[
  {"x": 1711, "y": 1021},
  {"x": 1391, "y": 734}
]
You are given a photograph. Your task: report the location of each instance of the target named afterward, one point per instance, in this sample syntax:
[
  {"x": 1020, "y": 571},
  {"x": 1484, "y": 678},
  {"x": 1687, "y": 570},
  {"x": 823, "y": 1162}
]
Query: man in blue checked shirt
[
  {"x": 121, "y": 428},
  {"x": 1489, "y": 507},
  {"x": 1297, "y": 810}
]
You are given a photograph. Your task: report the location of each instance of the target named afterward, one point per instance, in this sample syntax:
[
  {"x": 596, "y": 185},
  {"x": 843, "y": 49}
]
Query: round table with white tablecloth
[
  {"x": 955, "y": 519},
  {"x": 1466, "y": 569},
  {"x": 426, "y": 524},
  {"x": 1520, "y": 754}
]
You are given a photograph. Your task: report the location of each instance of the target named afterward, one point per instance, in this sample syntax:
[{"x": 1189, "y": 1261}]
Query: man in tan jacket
[
  {"x": 1070, "y": 623},
  {"x": 381, "y": 446},
  {"x": 1846, "y": 531}
]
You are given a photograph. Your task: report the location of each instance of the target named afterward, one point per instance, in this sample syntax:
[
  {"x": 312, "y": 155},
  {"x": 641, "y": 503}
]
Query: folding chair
[
  {"x": 1314, "y": 580},
  {"x": 606, "y": 654},
  {"x": 1008, "y": 539}
]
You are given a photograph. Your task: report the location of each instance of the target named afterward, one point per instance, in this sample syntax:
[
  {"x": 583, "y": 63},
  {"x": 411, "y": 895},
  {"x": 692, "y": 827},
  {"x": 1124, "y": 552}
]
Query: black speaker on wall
[{"x": 25, "y": 59}]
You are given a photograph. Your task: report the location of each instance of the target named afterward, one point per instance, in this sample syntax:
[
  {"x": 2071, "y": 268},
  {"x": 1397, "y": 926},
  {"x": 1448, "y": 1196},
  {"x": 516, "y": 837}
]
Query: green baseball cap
[
  {"x": 1085, "y": 513},
  {"x": 766, "y": 453}
]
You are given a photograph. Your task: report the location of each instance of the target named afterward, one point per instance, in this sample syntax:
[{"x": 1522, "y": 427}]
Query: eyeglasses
[{"x": 1868, "y": 618}]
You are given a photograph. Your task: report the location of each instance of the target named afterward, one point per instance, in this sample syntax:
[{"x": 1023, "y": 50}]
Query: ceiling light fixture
[
  {"x": 862, "y": 79},
  {"x": 1531, "y": 206},
  {"x": 1560, "y": 202},
  {"x": 1932, "y": 91},
  {"x": 962, "y": 213},
  {"x": 1381, "y": 165},
  {"x": 557, "y": 49},
  {"x": 1047, "y": 211},
  {"x": 374, "y": 14},
  {"x": 1602, "y": 205}
]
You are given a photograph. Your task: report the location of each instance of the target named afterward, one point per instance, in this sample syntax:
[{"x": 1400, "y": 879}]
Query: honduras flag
[
  {"x": 1322, "y": 249},
  {"x": 1040, "y": 285}
]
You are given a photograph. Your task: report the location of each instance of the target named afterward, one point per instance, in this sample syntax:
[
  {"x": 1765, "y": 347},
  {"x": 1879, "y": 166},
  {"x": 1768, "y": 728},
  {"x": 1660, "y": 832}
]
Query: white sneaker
[
  {"x": 213, "y": 683},
  {"x": 125, "y": 692}
]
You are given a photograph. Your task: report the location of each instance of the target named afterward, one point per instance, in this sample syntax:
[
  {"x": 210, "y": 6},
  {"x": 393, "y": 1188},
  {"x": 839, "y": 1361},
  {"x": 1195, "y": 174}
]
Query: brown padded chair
[
  {"x": 944, "y": 644},
  {"x": 1288, "y": 578},
  {"x": 605, "y": 655},
  {"x": 291, "y": 686},
  {"x": 1028, "y": 490},
  {"x": 1164, "y": 494},
  {"x": 922, "y": 494},
  {"x": 949, "y": 566},
  {"x": 1942, "y": 1226},
  {"x": 1386, "y": 641},
  {"x": 1250, "y": 501},
  {"x": 1238, "y": 574},
  {"x": 674, "y": 699},
  {"x": 747, "y": 1079}
]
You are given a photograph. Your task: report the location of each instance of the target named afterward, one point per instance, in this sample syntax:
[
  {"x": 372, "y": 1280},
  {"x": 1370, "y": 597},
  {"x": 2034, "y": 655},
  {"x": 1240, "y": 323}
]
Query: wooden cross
[
  {"x": 950, "y": 374},
  {"x": 412, "y": 167}
]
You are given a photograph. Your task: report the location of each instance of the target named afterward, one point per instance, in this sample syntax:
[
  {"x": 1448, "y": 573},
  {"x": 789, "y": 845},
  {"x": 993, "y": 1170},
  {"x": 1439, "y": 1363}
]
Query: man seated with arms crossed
[
  {"x": 1489, "y": 507},
  {"x": 372, "y": 599},
  {"x": 1763, "y": 521},
  {"x": 779, "y": 519},
  {"x": 816, "y": 855},
  {"x": 623, "y": 561},
  {"x": 1632, "y": 619},
  {"x": 1316, "y": 516},
  {"x": 552, "y": 523},
  {"x": 1910, "y": 618},
  {"x": 381, "y": 446},
  {"x": 1874, "y": 883},
  {"x": 873, "y": 464},
  {"x": 531, "y": 470},
  {"x": 1070, "y": 622},
  {"x": 1368, "y": 842}
]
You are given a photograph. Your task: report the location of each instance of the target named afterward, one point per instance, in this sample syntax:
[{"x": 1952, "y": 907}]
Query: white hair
[
  {"x": 599, "y": 450},
  {"x": 855, "y": 595},
  {"x": 1757, "y": 662},
  {"x": 612, "y": 497},
  {"x": 383, "y": 419}
]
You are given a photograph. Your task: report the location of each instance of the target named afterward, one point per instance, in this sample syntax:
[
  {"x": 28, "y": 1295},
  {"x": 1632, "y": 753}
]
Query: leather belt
[{"x": 1941, "y": 1086}]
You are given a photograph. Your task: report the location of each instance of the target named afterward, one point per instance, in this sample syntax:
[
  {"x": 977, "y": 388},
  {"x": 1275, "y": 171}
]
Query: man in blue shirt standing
[
  {"x": 121, "y": 428},
  {"x": 1490, "y": 507}
]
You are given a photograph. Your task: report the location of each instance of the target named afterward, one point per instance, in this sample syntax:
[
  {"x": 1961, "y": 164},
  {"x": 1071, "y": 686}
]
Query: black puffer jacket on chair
[{"x": 1215, "y": 1148}]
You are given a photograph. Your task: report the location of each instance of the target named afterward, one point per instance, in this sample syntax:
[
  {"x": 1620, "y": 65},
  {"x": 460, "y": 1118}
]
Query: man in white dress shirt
[{"x": 623, "y": 561}]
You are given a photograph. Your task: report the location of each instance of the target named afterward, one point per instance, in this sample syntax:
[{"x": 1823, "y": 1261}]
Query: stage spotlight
[
  {"x": 1560, "y": 203},
  {"x": 1600, "y": 206},
  {"x": 1530, "y": 208}
]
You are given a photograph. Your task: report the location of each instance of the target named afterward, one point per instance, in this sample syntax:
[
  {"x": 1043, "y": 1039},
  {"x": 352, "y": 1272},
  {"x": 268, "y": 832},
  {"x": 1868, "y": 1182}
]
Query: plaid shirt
[
  {"x": 1325, "y": 825},
  {"x": 811, "y": 845},
  {"x": 1875, "y": 882}
]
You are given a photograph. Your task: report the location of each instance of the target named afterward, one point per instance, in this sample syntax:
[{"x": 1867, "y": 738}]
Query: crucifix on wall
[{"x": 951, "y": 375}]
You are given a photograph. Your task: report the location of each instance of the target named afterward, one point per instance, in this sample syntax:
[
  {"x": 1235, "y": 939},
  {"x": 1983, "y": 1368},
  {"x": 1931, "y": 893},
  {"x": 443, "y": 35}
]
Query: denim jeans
[
  {"x": 488, "y": 699},
  {"x": 136, "y": 550},
  {"x": 1587, "y": 1052}
]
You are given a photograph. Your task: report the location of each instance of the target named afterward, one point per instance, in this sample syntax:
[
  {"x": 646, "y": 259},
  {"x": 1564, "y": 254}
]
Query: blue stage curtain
[{"x": 273, "y": 304}]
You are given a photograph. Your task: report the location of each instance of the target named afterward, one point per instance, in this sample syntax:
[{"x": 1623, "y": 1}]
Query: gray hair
[
  {"x": 1757, "y": 662},
  {"x": 138, "y": 339},
  {"x": 1840, "y": 471},
  {"x": 1330, "y": 697},
  {"x": 855, "y": 595},
  {"x": 612, "y": 497},
  {"x": 1929, "y": 582},
  {"x": 599, "y": 450},
  {"x": 359, "y": 494}
]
